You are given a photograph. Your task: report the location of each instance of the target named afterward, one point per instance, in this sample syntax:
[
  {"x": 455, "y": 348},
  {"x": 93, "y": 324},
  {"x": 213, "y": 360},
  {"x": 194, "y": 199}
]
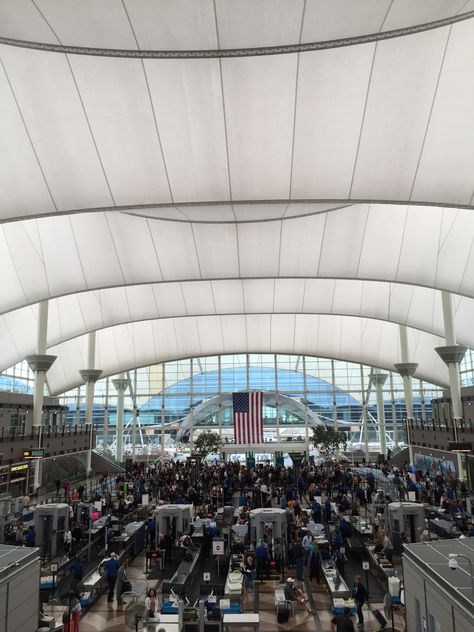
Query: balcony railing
[{"x": 16, "y": 434}]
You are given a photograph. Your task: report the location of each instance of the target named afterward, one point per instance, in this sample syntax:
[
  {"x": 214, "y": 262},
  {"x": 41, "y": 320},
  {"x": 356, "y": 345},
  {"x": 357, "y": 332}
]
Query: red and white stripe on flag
[{"x": 248, "y": 418}]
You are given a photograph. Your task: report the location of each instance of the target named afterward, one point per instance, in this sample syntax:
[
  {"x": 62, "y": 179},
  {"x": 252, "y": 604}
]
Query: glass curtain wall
[
  {"x": 330, "y": 390},
  {"x": 298, "y": 390}
]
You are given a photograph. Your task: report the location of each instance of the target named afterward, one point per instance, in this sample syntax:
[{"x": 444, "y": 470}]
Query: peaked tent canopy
[{"x": 208, "y": 177}]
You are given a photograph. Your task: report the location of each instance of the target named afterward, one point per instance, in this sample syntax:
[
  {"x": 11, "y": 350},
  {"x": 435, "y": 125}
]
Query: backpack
[{"x": 283, "y": 613}]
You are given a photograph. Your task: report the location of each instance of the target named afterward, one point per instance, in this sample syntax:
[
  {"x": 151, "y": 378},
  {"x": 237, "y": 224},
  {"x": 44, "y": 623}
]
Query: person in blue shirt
[
  {"x": 31, "y": 537},
  {"x": 261, "y": 558},
  {"x": 112, "y": 566},
  {"x": 327, "y": 509},
  {"x": 316, "y": 512},
  {"x": 345, "y": 529},
  {"x": 77, "y": 571}
]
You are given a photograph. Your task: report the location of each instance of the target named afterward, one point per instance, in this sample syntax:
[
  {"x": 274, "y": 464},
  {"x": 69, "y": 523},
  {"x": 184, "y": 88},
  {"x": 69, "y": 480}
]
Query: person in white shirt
[{"x": 67, "y": 541}]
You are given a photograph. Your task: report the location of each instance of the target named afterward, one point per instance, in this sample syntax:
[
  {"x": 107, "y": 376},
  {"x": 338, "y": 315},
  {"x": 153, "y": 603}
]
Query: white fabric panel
[
  {"x": 343, "y": 241},
  {"x": 259, "y": 94},
  {"x": 354, "y": 339},
  {"x": 318, "y": 295},
  {"x": 218, "y": 249},
  {"x": 18, "y": 164},
  {"x": 57, "y": 255},
  {"x": 198, "y": 297},
  {"x": 332, "y": 88},
  {"x": 187, "y": 337},
  {"x": 92, "y": 23},
  {"x": 259, "y": 295},
  {"x": 342, "y": 18},
  {"x": 420, "y": 245},
  {"x": 258, "y": 333},
  {"x": 115, "y": 96},
  {"x": 289, "y": 295},
  {"x": 384, "y": 232},
  {"x": 175, "y": 249},
  {"x": 228, "y": 296},
  {"x": 234, "y": 333},
  {"x": 97, "y": 250},
  {"x": 170, "y": 299},
  {"x": 450, "y": 138},
  {"x": 173, "y": 24},
  {"x": 302, "y": 235},
  {"x": 250, "y": 23},
  {"x": 259, "y": 248},
  {"x": 405, "y": 72},
  {"x": 132, "y": 238},
  {"x": 47, "y": 97},
  {"x": 187, "y": 97},
  {"x": 141, "y": 302},
  {"x": 23, "y": 272},
  {"x": 282, "y": 331},
  {"x": 57, "y": 244},
  {"x": 19, "y": 19},
  {"x": 421, "y": 11}
]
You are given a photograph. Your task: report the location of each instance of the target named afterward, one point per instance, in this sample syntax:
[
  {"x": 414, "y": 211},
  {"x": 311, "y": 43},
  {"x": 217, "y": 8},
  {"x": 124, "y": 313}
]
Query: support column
[
  {"x": 106, "y": 416},
  {"x": 219, "y": 392},
  {"x": 365, "y": 421},
  {"x": 452, "y": 354},
  {"x": 406, "y": 369},
  {"x": 305, "y": 396},
  {"x": 163, "y": 411},
  {"x": 277, "y": 404},
  {"x": 378, "y": 379},
  {"x": 90, "y": 377},
  {"x": 39, "y": 363},
  {"x": 121, "y": 384}
]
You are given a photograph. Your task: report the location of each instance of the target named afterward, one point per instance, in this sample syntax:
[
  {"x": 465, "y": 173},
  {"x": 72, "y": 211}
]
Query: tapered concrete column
[
  {"x": 406, "y": 370},
  {"x": 378, "y": 380},
  {"x": 365, "y": 423},
  {"x": 90, "y": 377},
  {"x": 452, "y": 354},
  {"x": 40, "y": 363},
  {"x": 121, "y": 384}
]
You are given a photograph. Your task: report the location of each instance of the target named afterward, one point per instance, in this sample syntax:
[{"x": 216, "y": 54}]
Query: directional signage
[{"x": 37, "y": 453}]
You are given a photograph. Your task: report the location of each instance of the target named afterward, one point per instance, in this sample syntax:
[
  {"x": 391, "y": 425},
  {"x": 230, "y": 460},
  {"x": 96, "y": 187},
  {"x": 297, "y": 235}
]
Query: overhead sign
[
  {"x": 460, "y": 446},
  {"x": 37, "y": 453}
]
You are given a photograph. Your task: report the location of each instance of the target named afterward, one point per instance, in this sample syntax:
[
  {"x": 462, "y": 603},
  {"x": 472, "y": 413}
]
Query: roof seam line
[{"x": 256, "y": 51}]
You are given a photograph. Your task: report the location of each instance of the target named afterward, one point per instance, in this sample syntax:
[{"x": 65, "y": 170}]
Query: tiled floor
[{"x": 107, "y": 617}]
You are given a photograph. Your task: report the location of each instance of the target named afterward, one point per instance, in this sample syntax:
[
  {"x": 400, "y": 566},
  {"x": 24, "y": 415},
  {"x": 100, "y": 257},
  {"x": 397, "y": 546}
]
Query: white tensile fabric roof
[{"x": 194, "y": 177}]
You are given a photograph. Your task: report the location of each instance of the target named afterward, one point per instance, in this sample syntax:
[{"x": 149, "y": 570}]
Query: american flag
[{"x": 248, "y": 422}]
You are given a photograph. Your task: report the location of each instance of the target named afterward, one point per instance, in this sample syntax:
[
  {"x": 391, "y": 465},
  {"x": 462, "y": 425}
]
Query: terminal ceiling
[{"x": 192, "y": 178}]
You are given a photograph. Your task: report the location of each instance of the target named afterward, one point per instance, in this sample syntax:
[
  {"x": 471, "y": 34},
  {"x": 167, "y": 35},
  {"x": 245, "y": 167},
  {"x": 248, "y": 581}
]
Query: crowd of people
[{"x": 311, "y": 494}]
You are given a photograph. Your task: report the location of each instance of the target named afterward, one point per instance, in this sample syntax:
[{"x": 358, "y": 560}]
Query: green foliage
[
  {"x": 207, "y": 443},
  {"x": 328, "y": 438}
]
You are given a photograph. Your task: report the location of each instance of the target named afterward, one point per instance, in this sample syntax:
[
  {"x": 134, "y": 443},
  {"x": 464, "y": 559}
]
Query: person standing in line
[
  {"x": 112, "y": 566},
  {"x": 343, "y": 622},
  {"x": 122, "y": 581},
  {"x": 298, "y": 554},
  {"x": 261, "y": 557},
  {"x": 359, "y": 593},
  {"x": 67, "y": 541}
]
